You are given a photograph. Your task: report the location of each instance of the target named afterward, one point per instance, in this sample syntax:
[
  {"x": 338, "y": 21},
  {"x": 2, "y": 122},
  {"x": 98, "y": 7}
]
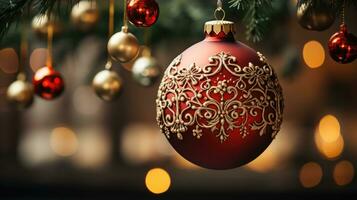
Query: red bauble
[
  {"x": 343, "y": 46},
  {"x": 219, "y": 103},
  {"x": 48, "y": 83},
  {"x": 143, "y": 13}
]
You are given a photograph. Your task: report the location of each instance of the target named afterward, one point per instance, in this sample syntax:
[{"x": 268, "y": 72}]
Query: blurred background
[{"x": 81, "y": 147}]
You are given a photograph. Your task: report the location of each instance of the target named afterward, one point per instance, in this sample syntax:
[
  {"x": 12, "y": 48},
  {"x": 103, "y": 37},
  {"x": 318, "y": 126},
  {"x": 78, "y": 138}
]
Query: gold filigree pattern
[{"x": 193, "y": 99}]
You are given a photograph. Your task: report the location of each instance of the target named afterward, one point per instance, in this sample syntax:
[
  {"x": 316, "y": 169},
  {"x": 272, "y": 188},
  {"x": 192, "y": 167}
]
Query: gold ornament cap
[{"x": 217, "y": 26}]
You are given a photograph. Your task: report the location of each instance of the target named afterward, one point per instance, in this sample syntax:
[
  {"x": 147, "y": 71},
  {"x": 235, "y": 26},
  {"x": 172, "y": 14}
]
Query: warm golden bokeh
[
  {"x": 330, "y": 150},
  {"x": 38, "y": 58},
  {"x": 329, "y": 128},
  {"x": 63, "y": 141},
  {"x": 310, "y": 175},
  {"x": 182, "y": 163},
  {"x": 343, "y": 173},
  {"x": 265, "y": 162},
  {"x": 313, "y": 54},
  {"x": 9, "y": 61},
  {"x": 157, "y": 181}
]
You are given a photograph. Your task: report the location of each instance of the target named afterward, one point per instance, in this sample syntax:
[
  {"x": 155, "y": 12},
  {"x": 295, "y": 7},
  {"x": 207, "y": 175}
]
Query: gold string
[
  {"x": 108, "y": 65},
  {"x": 23, "y": 49},
  {"x": 111, "y": 18},
  {"x": 49, "y": 41},
  {"x": 125, "y": 21},
  {"x": 343, "y": 13},
  {"x": 23, "y": 54}
]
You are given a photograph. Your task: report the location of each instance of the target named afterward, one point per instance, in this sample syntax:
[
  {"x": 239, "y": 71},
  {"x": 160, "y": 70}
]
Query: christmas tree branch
[
  {"x": 257, "y": 14},
  {"x": 12, "y": 11}
]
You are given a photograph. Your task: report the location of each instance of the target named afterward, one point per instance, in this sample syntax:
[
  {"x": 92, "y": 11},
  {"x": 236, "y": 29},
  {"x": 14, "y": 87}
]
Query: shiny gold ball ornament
[
  {"x": 123, "y": 46},
  {"x": 41, "y": 22},
  {"x": 85, "y": 15},
  {"x": 146, "y": 70},
  {"x": 107, "y": 84},
  {"x": 20, "y": 93}
]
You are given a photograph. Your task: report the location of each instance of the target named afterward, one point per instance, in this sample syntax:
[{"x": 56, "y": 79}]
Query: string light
[
  {"x": 157, "y": 181},
  {"x": 313, "y": 54},
  {"x": 310, "y": 175}
]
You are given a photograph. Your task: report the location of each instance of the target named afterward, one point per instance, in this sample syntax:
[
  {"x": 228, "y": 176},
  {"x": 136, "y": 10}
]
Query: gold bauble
[
  {"x": 123, "y": 46},
  {"x": 129, "y": 65},
  {"x": 146, "y": 70},
  {"x": 85, "y": 15},
  {"x": 20, "y": 93},
  {"x": 107, "y": 84},
  {"x": 40, "y": 24}
]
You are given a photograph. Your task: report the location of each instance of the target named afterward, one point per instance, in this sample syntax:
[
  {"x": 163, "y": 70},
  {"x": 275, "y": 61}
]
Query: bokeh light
[
  {"x": 343, "y": 173},
  {"x": 310, "y": 175},
  {"x": 141, "y": 143},
  {"x": 85, "y": 102},
  {"x": 329, "y": 128},
  {"x": 9, "y": 60},
  {"x": 63, "y": 141},
  {"x": 34, "y": 149},
  {"x": 94, "y": 150},
  {"x": 157, "y": 181},
  {"x": 313, "y": 54},
  {"x": 277, "y": 155},
  {"x": 182, "y": 163},
  {"x": 265, "y": 162},
  {"x": 38, "y": 58},
  {"x": 330, "y": 150}
]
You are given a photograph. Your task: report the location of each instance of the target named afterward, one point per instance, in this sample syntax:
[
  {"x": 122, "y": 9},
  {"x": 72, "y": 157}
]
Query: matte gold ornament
[
  {"x": 85, "y": 15},
  {"x": 20, "y": 93},
  {"x": 41, "y": 22},
  {"x": 123, "y": 46},
  {"x": 146, "y": 70},
  {"x": 107, "y": 84}
]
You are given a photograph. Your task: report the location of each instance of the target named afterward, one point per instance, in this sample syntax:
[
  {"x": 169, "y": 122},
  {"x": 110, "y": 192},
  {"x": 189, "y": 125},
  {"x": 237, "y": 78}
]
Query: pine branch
[
  {"x": 257, "y": 15},
  {"x": 12, "y": 11}
]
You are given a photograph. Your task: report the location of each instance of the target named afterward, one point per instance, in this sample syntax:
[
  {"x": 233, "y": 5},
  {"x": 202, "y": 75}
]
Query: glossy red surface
[
  {"x": 48, "y": 83},
  {"x": 343, "y": 46},
  {"x": 142, "y": 13}
]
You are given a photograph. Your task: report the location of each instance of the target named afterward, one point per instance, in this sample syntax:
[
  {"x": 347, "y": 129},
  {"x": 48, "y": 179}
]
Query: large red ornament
[
  {"x": 343, "y": 46},
  {"x": 220, "y": 103},
  {"x": 143, "y": 13},
  {"x": 48, "y": 83}
]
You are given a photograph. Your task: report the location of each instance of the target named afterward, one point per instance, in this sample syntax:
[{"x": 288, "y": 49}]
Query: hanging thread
[
  {"x": 49, "y": 41},
  {"x": 125, "y": 21},
  {"x": 109, "y": 64},
  {"x": 23, "y": 53},
  {"x": 343, "y": 13}
]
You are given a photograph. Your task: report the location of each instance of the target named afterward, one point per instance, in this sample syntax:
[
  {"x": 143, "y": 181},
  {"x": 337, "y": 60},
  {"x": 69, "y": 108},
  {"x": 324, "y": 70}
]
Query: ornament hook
[{"x": 219, "y": 9}]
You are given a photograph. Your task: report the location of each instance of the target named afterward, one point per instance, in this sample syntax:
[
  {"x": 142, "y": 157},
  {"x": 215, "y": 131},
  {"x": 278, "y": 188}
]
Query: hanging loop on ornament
[
  {"x": 146, "y": 51},
  {"x": 109, "y": 65},
  {"x": 218, "y": 10},
  {"x": 21, "y": 76}
]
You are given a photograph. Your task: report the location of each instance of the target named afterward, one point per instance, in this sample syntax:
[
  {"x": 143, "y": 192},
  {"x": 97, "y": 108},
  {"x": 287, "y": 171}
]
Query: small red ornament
[
  {"x": 143, "y": 13},
  {"x": 219, "y": 103},
  {"x": 343, "y": 46},
  {"x": 48, "y": 83}
]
